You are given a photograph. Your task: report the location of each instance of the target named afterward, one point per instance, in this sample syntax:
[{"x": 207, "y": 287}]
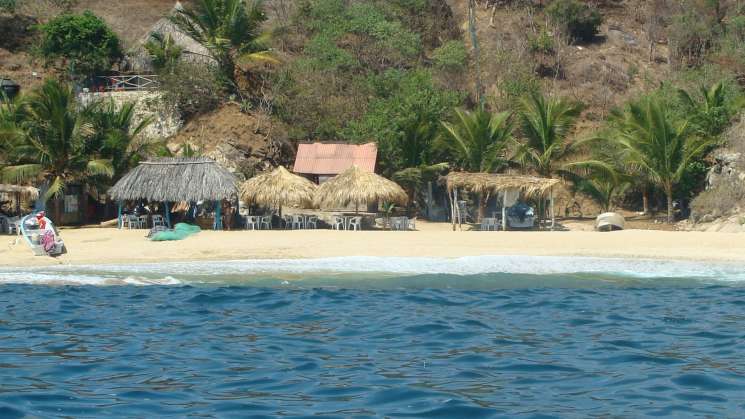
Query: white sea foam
[{"x": 187, "y": 272}]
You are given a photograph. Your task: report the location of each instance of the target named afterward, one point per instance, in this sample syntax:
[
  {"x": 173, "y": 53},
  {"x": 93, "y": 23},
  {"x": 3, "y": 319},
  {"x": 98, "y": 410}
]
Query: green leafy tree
[
  {"x": 84, "y": 41},
  {"x": 478, "y": 142},
  {"x": 578, "y": 19},
  {"x": 164, "y": 52},
  {"x": 658, "y": 146},
  {"x": 56, "y": 145},
  {"x": 8, "y": 6},
  {"x": 230, "y": 29}
]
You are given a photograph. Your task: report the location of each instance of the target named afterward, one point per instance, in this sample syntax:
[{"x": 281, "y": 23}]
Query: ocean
[{"x": 369, "y": 337}]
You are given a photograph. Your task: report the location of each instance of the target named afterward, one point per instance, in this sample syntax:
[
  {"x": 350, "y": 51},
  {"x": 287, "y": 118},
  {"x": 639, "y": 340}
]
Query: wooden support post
[
  {"x": 218, "y": 216},
  {"x": 167, "y": 214},
  {"x": 452, "y": 208},
  {"x": 119, "y": 216},
  {"x": 504, "y": 210},
  {"x": 553, "y": 216}
]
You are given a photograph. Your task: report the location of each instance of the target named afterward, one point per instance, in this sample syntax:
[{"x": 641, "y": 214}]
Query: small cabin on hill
[{"x": 321, "y": 161}]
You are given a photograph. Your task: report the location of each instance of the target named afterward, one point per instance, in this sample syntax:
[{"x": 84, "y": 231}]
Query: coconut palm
[
  {"x": 56, "y": 144},
  {"x": 230, "y": 29},
  {"x": 164, "y": 52},
  {"x": 712, "y": 113},
  {"x": 657, "y": 146},
  {"x": 118, "y": 135},
  {"x": 478, "y": 142},
  {"x": 546, "y": 124}
]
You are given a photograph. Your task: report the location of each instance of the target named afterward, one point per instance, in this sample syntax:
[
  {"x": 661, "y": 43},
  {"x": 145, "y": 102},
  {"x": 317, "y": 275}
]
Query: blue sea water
[{"x": 526, "y": 337}]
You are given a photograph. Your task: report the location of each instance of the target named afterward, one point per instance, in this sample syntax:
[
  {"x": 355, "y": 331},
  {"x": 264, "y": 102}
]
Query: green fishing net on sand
[{"x": 180, "y": 231}]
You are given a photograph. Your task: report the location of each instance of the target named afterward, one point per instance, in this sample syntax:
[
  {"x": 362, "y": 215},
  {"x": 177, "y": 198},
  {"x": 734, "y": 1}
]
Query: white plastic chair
[
  {"x": 298, "y": 222},
  {"x": 411, "y": 223},
  {"x": 355, "y": 224},
  {"x": 266, "y": 221},
  {"x": 252, "y": 222},
  {"x": 287, "y": 220},
  {"x": 158, "y": 221},
  {"x": 132, "y": 221},
  {"x": 338, "y": 223},
  {"x": 142, "y": 221},
  {"x": 312, "y": 222},
  {"x": 14, "y": 227}
]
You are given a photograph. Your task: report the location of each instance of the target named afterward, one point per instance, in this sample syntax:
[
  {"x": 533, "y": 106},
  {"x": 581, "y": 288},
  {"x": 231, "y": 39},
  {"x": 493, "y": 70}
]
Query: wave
[{"x": 237, "y": 271}]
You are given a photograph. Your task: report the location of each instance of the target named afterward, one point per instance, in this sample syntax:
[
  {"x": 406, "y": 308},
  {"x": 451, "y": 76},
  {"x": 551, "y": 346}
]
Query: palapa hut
[
  {"x": 177, "y": 180},
  {"x": 192, "y": 51},
  {"x": 18, "y": 193},
  {"x": 278, "y": 188},
  {"x": 357, "y": 187},
  {"x": 506, "y": 184}
]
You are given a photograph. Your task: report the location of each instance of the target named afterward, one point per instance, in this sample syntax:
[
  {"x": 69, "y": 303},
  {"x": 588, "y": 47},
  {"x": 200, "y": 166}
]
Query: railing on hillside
[{"x": 130, "y": 82}]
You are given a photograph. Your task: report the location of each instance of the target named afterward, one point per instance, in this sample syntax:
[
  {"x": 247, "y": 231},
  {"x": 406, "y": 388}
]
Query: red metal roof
[{"x": 332, "y": 159}]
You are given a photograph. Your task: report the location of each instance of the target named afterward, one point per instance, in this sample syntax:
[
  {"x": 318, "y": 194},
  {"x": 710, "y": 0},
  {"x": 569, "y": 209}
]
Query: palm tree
[
  {"x": 230, "y": 29},
  {"x": 546, "y": 124},
  {"x": 478, "y": 142},
  {"x": 164, "y": 52},
  {"x": 658, "y": 147},
  {"x": 118, "y": 136},
  {"x": 55, "y": 146},
  {"x": 712, "y": 114}
]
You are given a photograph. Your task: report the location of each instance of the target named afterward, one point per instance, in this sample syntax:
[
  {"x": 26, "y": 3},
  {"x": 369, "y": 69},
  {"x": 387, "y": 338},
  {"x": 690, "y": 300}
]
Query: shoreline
[{"x": 107, "y": 246}]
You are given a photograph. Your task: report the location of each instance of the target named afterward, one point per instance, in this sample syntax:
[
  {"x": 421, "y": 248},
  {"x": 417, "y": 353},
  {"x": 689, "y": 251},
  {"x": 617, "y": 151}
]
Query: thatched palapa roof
[
  {"x": 492, "y": 182},
  {"x": 26, "y": 192},
  {"x": 278, "y": 188},
  {"x": 357, "y": 187},
  {"x": 193, "y": 51},
  {"x": 176, "y": 179}
]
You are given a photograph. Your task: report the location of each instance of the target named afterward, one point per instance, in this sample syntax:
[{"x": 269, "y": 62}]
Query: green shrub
[
  {"x": 579, "y": 20},
  {"x": 451, "y": 56},
  {"x": 543, "y": 43},
  {"x": 83, "y": 40},
  {"x": 8, "y": 6},
  {"x": 192, "y": 89}
]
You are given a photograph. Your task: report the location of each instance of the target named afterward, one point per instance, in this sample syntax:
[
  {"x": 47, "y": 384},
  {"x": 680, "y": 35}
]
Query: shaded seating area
[
  {"x": 174, "y": 180},
  {"x": 276, "y": 190},
  {"x": 11, "y": 198},
  {"x": 356, "y": 188},
  {"x": 509, "y": 188}
]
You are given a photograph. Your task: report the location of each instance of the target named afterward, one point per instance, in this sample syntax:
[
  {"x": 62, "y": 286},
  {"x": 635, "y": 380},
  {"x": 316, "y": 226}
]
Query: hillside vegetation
[{"x": 627, "y": 100}]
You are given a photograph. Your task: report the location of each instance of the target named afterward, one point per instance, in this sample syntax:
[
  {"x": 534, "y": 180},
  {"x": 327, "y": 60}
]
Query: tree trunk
[
  {"x": 58, "y": 203},
  {"x": 645, "y": 200},
  {"x": 483, "y": 200},
  {"x": 670, "y": 214}
]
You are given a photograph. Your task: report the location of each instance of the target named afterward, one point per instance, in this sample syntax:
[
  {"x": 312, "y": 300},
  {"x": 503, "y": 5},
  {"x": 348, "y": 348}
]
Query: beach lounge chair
[
  {"x": 355, "y": 224},
  {"x": 338, "y": 223},
  {"x": 312, "y": 222}
]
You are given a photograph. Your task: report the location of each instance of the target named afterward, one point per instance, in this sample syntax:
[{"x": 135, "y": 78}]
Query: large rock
[{"x": 148, "y": 103}]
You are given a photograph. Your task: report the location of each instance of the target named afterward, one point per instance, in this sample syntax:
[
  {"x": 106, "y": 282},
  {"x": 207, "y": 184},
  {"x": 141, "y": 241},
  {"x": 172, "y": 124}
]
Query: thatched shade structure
[
  {"x": 495, "y": 183},
  {"x": 18, "y": 193},
  {"x": 175, "y": 180},
  {"x": 23, "y": 192},
  {"x": 357, "y": 187},
  {"x": 278, "y": 188},
  {"x": 480, "y": 183}
]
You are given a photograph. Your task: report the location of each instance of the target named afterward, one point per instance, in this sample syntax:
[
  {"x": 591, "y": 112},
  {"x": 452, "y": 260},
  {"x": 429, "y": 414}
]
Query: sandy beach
[{"x": 111, "y": 246}]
